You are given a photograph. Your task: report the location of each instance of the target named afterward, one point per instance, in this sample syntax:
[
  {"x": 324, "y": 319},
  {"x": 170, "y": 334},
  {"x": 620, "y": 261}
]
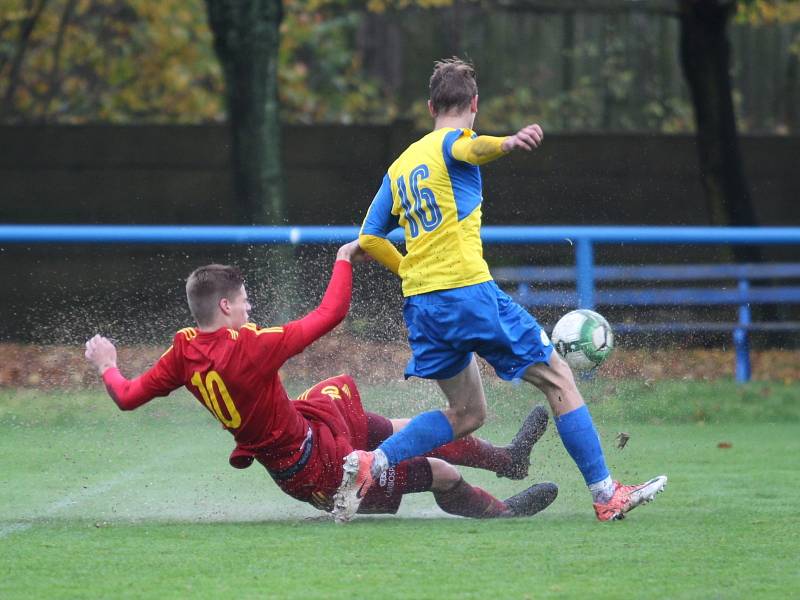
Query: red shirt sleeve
[
  {"x": 273, "y": 346},
  {"x": 333, "y": 308},
  {"x": 160, "y": 380}
]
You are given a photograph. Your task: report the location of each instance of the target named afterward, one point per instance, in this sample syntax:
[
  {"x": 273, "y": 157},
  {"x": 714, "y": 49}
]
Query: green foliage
[
  {"x": 321, "y": 77},
  {"x": 757, "y": 12},
  {"x": 108, "y": 60},
  {"x": 152, "y": 61}
]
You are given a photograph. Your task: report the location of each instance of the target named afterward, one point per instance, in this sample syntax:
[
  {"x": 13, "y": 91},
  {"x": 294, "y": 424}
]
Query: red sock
[
  {"x": 470, "y": 451},
  {"x": 469, "y": 501}
]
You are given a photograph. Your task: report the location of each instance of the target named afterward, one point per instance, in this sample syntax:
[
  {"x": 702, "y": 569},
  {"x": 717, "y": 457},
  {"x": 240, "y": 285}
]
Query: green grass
[{"x": 101, "y": 504}]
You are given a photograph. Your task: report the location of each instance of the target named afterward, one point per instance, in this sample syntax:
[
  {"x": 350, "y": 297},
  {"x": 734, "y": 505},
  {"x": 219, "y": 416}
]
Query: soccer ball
[{"x": 583, "y": 338}]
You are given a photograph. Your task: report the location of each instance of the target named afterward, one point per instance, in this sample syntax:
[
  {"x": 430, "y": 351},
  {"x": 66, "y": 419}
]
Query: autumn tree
[
  {"x": 705, "y": 54},
  {"x": 706, "y": 61},
  {"x": 246, "y": 40},
  {"x": 76, "y": 61}
]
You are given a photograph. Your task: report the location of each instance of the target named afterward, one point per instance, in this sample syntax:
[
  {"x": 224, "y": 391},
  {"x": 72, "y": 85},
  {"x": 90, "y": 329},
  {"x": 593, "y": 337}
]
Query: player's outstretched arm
[
  {"x": 479, "y": 150},
  {"x": 127, "y": 395},
  {"x": 336, "y": 301}
]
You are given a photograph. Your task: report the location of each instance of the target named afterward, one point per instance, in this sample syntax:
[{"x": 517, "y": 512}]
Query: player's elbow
[
  {"x": 122, "y": 403},
  {"x": 341, "y": 313},
  {"x": 382, "y": 251},
  {"x": 335, "y": 313},
  {"x": 369, "y": 242},
  {"x": 124, "y": 406}
]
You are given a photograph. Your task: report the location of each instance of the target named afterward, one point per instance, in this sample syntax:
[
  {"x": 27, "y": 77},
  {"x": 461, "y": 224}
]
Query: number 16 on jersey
[{"x": 429, "y": 217}]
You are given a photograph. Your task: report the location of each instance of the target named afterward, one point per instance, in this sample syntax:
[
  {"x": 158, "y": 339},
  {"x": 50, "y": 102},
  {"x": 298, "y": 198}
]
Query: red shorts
[{"x": 338, "y": 423}]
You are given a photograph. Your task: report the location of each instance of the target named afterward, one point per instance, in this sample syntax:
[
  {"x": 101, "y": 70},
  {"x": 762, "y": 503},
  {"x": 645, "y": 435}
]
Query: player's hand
[
  {"x": 353, "y": 253},
  {"x": 527, "y": 138},
  {"x": 101, "y": 353}
]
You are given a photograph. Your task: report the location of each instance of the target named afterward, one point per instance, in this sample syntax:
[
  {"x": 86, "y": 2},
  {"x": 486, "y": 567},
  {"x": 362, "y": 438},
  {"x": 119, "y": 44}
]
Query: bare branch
[{"x": 15, "y": 74}]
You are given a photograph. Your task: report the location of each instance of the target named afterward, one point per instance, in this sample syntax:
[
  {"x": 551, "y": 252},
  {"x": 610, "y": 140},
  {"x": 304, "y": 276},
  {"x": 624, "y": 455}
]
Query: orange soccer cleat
[
  {"x": 628, "y": 497},
  {"x": 356, "y": 480}
]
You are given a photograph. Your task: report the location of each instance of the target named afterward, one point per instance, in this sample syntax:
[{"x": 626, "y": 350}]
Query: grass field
[{"x": 102, "y": 504}]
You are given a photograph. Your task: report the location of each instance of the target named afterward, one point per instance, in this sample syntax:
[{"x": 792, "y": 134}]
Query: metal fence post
[
  {"x": 584, "y": 263},
  {"x": 740, "y": 338}
]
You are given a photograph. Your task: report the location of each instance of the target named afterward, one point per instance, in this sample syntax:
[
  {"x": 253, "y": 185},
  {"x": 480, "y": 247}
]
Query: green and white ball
[{"x": 583, "y": 338}]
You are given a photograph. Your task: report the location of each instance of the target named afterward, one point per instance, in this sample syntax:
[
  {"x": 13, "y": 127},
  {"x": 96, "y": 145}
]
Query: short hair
[
  {"x": 207, "y": 285},
  {"x": 453, "y": 84}
]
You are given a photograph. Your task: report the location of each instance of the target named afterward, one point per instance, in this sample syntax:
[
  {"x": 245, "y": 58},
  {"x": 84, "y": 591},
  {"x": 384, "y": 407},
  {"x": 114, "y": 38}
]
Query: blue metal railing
[{"x": 582, "y": 238}]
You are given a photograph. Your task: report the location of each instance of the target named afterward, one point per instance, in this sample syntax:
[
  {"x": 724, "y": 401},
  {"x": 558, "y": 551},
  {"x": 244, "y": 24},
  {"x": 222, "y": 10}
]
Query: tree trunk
[
  {"x": 791, "y": 113},
  {"x": 246, "y": 40},
  {"x": 705, "y": 59}
]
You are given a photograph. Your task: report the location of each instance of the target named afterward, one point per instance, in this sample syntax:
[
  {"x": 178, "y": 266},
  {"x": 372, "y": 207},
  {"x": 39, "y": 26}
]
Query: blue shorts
[{"x": 447, "y": 326}]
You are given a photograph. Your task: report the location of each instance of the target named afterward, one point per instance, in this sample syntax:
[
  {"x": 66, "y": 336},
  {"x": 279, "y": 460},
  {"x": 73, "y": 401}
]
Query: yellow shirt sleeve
[
  {"x": 479, "y": 150},
  {"x": 381, "y": 250}
]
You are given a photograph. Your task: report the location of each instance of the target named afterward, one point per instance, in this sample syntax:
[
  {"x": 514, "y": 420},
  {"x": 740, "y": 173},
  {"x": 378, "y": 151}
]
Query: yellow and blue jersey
[{"x": 434, "y": 192}]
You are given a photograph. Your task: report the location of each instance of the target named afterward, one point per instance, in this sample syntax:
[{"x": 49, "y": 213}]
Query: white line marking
[
  {"x": 13, "y": 528},
  {"x": 85, "y": 494}
]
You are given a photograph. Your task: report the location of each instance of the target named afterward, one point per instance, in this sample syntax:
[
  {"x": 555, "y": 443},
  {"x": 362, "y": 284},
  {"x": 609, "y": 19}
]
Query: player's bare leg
[
  {"x": 556, "y": 381},
  {"x": 611, "y": 499},
  {"x": 466, "y": 413},
  {"x": 466, "y": 400}
]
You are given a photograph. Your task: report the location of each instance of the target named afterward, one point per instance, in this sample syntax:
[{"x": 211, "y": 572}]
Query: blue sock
[
  {"x": 423, "y": 433},
  {"x": 581, "y": 441}
]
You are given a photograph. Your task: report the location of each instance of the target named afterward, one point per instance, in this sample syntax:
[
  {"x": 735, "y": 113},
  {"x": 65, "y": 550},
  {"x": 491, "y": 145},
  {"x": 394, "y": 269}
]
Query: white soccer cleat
[{"x": 356, "y": 481}]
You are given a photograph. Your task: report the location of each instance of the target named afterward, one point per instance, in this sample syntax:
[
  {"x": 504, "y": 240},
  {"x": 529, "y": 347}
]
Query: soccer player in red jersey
[{"x": 231, "y": 367}]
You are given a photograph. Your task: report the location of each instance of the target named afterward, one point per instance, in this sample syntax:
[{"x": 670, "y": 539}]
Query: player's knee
[
  {"x": 550, "y": 377},
  {"x": 563, "y": 374},
  {"x": 443, "y": 475},
  {"x": 477, "y": 418},
  {"x": 466, "y": 421}
]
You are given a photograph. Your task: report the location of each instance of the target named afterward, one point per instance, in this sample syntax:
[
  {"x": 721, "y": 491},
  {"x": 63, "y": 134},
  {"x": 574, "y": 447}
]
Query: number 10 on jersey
[
  {"x": 210, "y": 399},
  {"x": 429, "y": 217}
]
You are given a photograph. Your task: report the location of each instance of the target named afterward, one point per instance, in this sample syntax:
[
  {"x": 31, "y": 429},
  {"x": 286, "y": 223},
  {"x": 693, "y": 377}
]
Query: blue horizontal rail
[
  {"x": 312, "y": 234},
  {"x": 664, "y": 297},
  {"x": 581, "y": 237},
  {"x": 700, "y": 272}
]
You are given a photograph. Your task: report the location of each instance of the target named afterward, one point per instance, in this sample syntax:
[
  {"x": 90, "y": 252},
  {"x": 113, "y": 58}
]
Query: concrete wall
[{"x": 169, "y": 174}]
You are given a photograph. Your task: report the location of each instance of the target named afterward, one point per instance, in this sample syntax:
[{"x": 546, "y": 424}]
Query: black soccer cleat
[
  {"x": 521, "y": 446},
  {"x": 533, "y": 500}
]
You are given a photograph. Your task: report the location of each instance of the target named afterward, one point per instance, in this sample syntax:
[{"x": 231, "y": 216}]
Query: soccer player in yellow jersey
[{"x": 454, "y": 309}]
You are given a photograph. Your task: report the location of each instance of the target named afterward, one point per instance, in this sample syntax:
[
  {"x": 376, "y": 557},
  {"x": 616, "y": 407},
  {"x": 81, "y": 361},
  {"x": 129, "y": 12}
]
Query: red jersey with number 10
[{"x": 234, "y": 374}]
